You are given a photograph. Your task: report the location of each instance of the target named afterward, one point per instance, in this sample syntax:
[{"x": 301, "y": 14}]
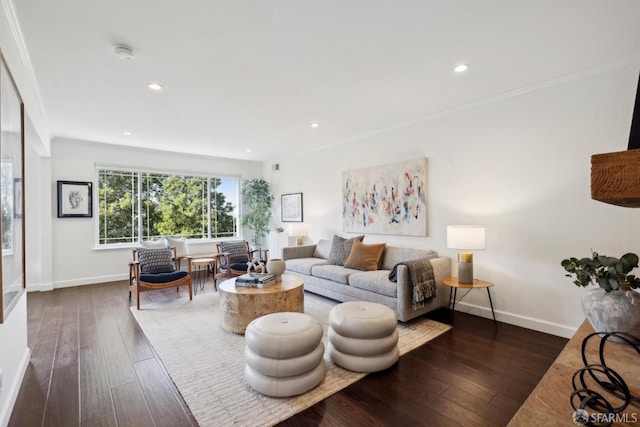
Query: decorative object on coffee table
[
  {"x": 613, "y": 306},
  {"x": 277, "y": 267}
]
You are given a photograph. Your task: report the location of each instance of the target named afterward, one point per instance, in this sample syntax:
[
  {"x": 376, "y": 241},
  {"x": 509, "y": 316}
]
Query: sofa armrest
[
  {"x": 291, "y": 252},
  {"x": 441, "y": 269}
]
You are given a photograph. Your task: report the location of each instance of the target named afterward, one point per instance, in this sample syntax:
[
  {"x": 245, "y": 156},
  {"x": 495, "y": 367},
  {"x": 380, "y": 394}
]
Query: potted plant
[
  {"x": 613, "y": 306},
  {"x": 257, "y": 196}
]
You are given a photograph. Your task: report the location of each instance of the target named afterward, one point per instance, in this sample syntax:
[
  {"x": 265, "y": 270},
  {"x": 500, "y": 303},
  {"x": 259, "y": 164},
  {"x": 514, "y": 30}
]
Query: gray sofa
[{"x": 345, "y": 284}]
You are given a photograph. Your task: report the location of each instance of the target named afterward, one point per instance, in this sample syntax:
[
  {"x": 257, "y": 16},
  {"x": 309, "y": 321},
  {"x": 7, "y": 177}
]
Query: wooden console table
[{"x": 549, "y": 404}]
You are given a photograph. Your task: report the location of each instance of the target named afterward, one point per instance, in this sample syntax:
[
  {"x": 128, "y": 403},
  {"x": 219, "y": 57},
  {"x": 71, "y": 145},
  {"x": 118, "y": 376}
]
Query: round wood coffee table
[{"x": 240, "y": 305}]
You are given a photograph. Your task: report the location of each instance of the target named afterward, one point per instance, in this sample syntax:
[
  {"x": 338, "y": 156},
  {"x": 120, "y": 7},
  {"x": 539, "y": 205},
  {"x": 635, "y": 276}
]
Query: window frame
[{"x": 140, "y": 171}]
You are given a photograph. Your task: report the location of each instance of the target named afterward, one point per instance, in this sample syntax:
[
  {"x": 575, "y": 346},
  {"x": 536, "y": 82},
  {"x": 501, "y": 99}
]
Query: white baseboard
[
  {"x": 89, "y": 281},
  {"x": 518, "y": 320},
  {"x": 14, "y": 388},
  {"x": 39, "y": 287}
]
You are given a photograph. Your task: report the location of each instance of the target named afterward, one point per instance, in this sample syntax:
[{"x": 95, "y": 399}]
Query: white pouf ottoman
[
  {"x": 363, "y": 336},
  {"x": 283, "y": 354}
]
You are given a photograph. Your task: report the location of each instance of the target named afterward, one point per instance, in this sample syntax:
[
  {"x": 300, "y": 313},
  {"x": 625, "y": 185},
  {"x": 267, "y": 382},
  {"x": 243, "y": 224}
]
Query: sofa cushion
[
  {"x": 335, "y": 273},
  {"x": 340, "y": 249},
  {"x": 323, "y": 249},
  {"x": 303, "y": 265},
  {"x": 374, "y": 281},
  {"x": 364, "y": 257}
]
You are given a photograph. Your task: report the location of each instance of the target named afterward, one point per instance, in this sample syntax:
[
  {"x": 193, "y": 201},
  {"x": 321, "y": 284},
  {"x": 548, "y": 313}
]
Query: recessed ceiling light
[
  {"x": 314, "y": 125},
  {"x": 154, "y": 86},
  {"x": 127, "y": 133},
  {"x": 461, "y": 68},
  {"x": 248, "y": 150}
]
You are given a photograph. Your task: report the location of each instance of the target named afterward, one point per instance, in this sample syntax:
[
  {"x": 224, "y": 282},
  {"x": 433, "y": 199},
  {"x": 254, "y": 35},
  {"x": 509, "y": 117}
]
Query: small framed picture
[
  {"x": 291, "y": 207},
  {"x": 75, "y": 199}
]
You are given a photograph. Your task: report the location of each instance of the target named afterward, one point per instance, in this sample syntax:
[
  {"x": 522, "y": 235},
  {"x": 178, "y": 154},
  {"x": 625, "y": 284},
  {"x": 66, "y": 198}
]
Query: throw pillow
[
  {"x": 182, "y": 249},
  {"x": 237, "y": 251},
  {"x": 156, "y": 260},
  {"x": 365, "y": 257},
  {"x": 159, "y": 243},
  {"x": 340, "y": 249}
]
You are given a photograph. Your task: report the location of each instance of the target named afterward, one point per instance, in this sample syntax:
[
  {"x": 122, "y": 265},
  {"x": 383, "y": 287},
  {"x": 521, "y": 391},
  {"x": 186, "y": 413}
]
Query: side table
[
  {"x": 199, "y": 275},
  {"x": 453, "y": 284}
]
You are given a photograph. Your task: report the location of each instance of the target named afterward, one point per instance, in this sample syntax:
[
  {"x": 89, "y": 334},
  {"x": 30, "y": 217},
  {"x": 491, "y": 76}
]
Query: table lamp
[
  {"x": 298, "y": 230},
  {"x": 465, "y": 237}
]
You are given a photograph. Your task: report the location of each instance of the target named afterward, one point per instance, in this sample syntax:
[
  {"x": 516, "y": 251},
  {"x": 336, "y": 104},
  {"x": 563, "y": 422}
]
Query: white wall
[
  {"x": 38, "y": 225},
  {"x": 520, "y": 165},
  {"x": 76, "y": 261},
  {"x": 14, "y": 357}
]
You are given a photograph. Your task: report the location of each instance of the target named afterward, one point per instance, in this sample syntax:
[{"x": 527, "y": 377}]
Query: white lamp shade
[
  {"x": 466, "y": 237},
  {"x": 298, "y": 229}
]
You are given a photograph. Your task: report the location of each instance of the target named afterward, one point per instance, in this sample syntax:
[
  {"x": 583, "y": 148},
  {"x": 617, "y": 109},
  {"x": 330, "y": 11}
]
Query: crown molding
[{"x": 34, "y": 104}]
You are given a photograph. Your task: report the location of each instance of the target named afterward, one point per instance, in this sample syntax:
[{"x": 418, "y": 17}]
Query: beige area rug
[{"x": 207, "y": 363}]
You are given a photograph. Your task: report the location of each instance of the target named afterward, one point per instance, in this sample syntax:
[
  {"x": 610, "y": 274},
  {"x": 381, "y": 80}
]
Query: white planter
[
  {"x": 615, "y": 311},
  {"x": 277, "y": 267}
]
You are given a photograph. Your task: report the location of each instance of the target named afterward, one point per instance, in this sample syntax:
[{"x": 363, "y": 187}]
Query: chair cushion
[
  {"x": 163, "y": 277},
  {"x": 155, "y": 260},
  {"x": 237, "y": 251},
  {"x": 182, "y": 249},
  {"x": 159, "y": 243},
  {"x": 242, "y": 266}
]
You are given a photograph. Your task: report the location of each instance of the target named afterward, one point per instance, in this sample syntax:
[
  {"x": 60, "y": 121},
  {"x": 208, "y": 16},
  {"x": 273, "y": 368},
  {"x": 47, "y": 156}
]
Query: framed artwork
[
  {"x": 291, "y": 207},
  {"x": 387, "y": 199},
  {"x": 75, "y": 199}
]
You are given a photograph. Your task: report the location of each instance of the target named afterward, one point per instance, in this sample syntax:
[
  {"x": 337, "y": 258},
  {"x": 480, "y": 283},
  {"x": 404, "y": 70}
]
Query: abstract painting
[{"x": 387, "y": 199}]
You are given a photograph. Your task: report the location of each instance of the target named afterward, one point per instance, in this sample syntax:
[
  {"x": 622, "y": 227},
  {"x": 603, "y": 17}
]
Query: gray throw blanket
[{"x": 422, "y": 281}]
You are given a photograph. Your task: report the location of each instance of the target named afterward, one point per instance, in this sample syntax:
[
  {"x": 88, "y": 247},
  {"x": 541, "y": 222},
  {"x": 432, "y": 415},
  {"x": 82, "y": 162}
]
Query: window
[{"x": 139, "y": 205}]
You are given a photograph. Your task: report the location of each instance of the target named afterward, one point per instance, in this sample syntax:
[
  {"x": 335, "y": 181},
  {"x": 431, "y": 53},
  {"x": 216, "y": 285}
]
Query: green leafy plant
[
  {"x": 257, "y": 196},
  {"x": 604, "y": 271}
]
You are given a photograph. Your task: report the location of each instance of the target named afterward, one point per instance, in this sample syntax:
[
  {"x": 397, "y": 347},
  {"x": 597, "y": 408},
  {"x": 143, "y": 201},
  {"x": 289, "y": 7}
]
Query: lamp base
[
  {"x": 299, "y": 240},
  {"x": 465, "y": 273}
]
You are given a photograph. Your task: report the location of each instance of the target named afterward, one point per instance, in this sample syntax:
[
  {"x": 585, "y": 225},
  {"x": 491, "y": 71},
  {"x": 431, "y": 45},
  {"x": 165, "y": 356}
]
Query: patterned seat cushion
[
  {"x": 163, "y": 277},
  {"x": 237, "y": 251},
  {"x": 155, "y": 260}
]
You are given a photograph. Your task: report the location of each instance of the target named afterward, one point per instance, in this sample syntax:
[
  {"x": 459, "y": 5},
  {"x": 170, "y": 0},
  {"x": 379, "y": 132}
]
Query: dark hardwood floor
[{"x": 92, "y": 365}]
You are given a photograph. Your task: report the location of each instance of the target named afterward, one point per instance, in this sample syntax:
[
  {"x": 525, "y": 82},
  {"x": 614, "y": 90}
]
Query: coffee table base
[{"x": 239, "y": 306}]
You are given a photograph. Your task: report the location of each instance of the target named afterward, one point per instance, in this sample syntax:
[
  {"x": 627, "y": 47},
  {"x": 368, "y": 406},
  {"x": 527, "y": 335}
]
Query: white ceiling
[{"x": 240, "y": 74}]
